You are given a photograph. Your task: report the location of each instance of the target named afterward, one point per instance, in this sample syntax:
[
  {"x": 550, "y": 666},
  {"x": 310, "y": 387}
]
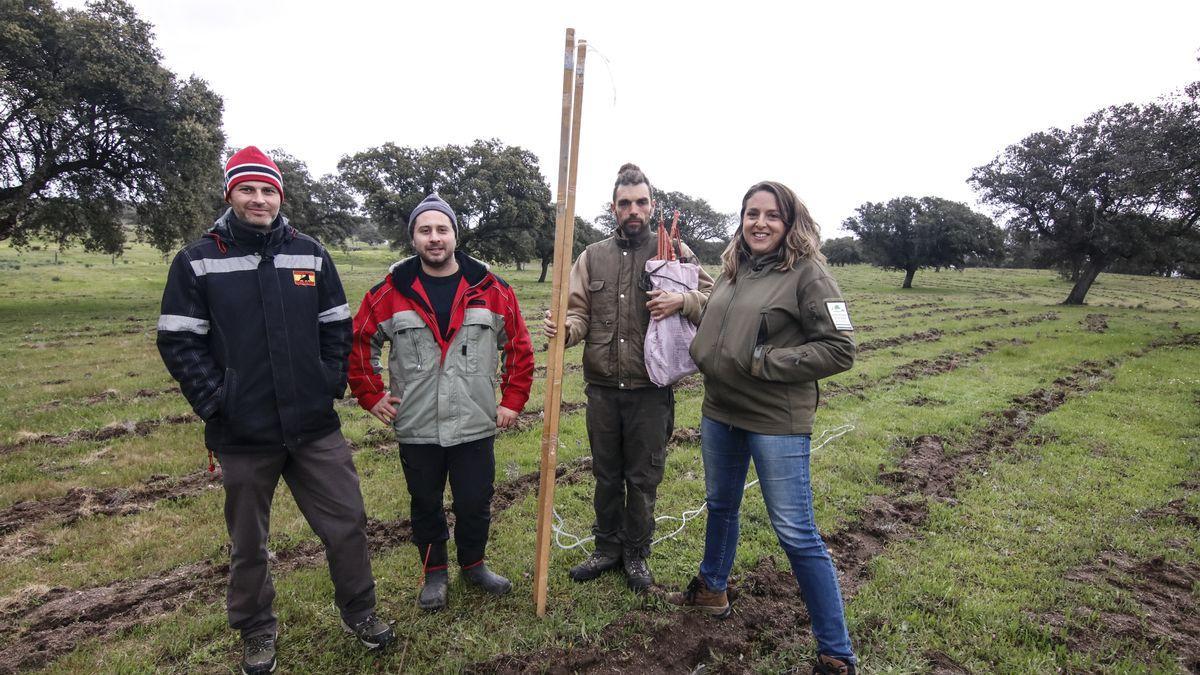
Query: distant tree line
[
  {"x": 1118, "y": 192},
  {"x": 98, "y": 139}
]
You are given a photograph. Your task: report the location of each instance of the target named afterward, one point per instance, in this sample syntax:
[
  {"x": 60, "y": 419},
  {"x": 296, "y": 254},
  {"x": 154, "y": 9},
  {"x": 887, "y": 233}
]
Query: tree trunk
[
  {"x": 8, "y": 221},
  {"x": 545, "y": 266},
  {"x": 1086, "y": 277},
  {"x": 908, "y": 277}
]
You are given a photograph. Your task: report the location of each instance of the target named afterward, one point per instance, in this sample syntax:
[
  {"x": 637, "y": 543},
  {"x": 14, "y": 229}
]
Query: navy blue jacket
[{"x": 256, "y": 329}]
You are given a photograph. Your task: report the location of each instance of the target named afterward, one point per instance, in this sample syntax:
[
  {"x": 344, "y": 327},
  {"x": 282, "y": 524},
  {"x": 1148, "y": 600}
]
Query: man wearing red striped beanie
[{"x": 256, "y": 329}]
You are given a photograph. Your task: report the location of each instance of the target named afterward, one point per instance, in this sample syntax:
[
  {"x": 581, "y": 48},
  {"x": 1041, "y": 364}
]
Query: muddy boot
[
  {"x": 433, "y": 593},
  {"x": 831, "y": 665},
  {"x": 258, "y": 654},
  {"x": 699, "y": 597},
  {"x": 486, "y": 579},
  {"x": 596, "y": 564},
  {"x": 827, "y": 665},
  {"x": 637, "y": 573}
]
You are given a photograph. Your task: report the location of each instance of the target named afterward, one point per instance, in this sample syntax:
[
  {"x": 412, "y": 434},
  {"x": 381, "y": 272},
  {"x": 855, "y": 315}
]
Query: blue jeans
[{"x": 782, "y": 465}]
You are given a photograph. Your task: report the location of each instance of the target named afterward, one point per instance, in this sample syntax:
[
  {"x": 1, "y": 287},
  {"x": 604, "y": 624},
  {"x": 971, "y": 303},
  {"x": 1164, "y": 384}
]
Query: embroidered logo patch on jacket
[{"x": 304, "y": 277}]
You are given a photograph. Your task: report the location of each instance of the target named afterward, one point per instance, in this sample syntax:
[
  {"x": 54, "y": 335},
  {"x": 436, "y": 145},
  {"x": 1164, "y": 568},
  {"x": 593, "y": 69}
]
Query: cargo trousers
[{"x": 628, "y": 430}]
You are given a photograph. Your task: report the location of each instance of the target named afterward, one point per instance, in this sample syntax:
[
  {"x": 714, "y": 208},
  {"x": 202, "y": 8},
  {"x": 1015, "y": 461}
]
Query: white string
[
  {"x": 828, "y": 435},
  {"x": 612, "y": 81}
]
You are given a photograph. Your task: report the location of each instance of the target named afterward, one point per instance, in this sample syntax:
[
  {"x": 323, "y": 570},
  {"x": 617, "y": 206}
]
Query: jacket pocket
[
  {"x": 760, "y": 348},
  {"x": 480, "y": 346},
  {"x": 598, "y": 353},
  {"x": 602, "y": 306},
  {"x": 413, "y": 354},
  {"x": 417, "y": 414}
]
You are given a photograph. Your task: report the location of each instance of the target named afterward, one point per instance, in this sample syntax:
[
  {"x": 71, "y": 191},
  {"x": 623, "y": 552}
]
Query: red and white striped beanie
[{"x": 250, "y": 163}]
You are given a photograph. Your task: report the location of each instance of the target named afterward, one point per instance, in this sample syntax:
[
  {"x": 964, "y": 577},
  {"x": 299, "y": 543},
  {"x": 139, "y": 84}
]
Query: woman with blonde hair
[{"x": 775, "y": 323}]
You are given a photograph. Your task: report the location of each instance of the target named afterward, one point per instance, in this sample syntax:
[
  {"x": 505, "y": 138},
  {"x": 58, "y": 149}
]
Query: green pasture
[{"x": 974, "y": 584}]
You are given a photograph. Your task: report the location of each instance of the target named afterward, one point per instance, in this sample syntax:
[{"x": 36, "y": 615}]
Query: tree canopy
[
  {"x": 909, "y": 233},
  {"x": 496, "y": 190},
  {"x": 322, "y": 208},
  {"x": 91, "y": 123},
  {"x": 1123, "y": 185},
  {"x": 842, "y": 251}
]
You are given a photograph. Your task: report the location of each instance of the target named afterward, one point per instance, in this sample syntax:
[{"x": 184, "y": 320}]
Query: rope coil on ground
[{"x": 579, "y": 542}]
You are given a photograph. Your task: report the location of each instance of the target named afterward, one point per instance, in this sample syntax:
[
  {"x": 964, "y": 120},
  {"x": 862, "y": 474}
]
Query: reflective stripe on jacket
[{"x": 256, "y": 330}]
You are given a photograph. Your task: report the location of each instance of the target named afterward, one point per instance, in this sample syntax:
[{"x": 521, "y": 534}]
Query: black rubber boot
[
  {"x": 486, "y": 579},
  {"x": 433, "y": 593}
]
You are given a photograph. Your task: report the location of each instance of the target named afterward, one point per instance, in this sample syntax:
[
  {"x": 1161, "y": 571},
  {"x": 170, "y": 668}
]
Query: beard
[
  {"x": 438, "y": 259},
  {"x": 638, "y": 229}
]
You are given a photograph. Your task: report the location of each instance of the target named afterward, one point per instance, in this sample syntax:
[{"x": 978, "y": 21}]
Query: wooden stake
[{"x": 564, "y": 239}]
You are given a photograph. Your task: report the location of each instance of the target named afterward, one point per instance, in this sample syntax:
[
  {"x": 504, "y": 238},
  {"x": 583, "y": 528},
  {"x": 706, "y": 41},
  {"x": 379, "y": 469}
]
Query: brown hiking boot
[
  {"x": 827, "y": 665},
  {"x": 699, "y": 597}
]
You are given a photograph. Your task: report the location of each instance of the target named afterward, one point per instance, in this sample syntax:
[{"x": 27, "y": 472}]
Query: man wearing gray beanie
[
  {"x": 433, "y": 202},
  {"x": 444, "y": 313}
]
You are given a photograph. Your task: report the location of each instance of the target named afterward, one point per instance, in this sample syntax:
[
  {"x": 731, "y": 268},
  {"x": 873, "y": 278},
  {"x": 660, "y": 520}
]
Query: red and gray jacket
[
  {"x": 256, "y": 329},
  {"x": 447, "y": 386}
]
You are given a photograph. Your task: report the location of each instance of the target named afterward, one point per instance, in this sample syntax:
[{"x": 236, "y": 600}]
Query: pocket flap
[
  {"x": 596, "y": 285},
  {"x": 479, "y": 317},
  {"x": 598, "y": 337},
  {"x": 407, "y": 321}
]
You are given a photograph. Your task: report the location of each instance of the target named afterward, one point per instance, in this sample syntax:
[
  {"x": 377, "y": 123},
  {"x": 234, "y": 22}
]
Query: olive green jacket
[
  {"x": 765, "y": 340},
  {"x": 606, "y": 308}
]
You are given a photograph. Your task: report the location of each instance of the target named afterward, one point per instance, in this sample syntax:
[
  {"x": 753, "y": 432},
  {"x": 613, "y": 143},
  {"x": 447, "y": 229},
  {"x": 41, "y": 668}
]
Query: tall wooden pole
[{"x": 564, "y": 238}]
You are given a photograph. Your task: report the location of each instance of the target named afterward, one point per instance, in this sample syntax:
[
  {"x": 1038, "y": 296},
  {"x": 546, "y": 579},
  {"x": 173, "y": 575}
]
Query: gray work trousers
[
  {"x": 628, "y": 430},
  {"x": 324, "y": 483}
]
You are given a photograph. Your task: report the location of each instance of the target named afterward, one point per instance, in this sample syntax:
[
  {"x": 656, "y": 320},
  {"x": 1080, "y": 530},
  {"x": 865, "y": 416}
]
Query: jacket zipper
[{"x": 412, "y": 334}]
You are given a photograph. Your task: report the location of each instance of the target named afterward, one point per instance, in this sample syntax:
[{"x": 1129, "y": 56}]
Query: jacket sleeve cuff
[
  {"x": 368, "y": 401},
  {"x": 514, "y": 402}
]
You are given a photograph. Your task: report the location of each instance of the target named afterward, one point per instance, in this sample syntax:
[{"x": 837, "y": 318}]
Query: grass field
[{"x": 1020, "y": 492}]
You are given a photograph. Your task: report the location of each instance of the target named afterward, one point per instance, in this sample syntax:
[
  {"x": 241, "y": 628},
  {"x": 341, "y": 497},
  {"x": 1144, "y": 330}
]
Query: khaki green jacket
[
  {"x": 606, "y": 308},
  {"x": 765, "y": 340}
]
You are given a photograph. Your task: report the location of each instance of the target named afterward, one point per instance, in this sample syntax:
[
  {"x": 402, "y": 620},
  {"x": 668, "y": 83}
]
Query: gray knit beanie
[{"x": 432, "y": 203}]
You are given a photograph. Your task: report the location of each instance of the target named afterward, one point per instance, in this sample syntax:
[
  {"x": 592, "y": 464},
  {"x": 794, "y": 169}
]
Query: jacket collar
[
  {"x": 757, "y": 263},
  {"x": 631, "y": 242},
  {"x": 404, "y": 272},
  {"x": 230, "y": 231}
]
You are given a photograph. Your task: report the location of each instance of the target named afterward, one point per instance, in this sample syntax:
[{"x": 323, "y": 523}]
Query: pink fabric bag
[{"x": 668, "y": 340}]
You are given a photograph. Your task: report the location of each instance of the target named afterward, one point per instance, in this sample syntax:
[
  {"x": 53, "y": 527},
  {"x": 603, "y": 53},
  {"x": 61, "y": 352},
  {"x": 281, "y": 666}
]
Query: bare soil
[
  {"x": 1095, "y": 323},
  {"x": 104, "y": 433},
  {"x": 42, "y": 624},
  {"x": 768, "y": 614},
  {"x": 919, "y": 368},
  {"x": 82, "y": 502},
  {"x": 1161, "y": 613}
]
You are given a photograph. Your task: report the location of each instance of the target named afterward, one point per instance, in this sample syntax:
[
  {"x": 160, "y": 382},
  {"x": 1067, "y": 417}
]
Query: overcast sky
[{"x": 844, "y": 102}]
